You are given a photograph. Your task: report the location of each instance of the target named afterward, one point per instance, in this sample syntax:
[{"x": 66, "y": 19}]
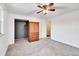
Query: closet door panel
[
  {"x": 33, "y": 31},
  {"x": 31, "y": 27},
  {"x": 37, "y": 30}
]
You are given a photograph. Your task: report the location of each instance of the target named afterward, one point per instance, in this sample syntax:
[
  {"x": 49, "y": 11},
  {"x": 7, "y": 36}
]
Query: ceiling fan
[{"x": 46, "y": 8}]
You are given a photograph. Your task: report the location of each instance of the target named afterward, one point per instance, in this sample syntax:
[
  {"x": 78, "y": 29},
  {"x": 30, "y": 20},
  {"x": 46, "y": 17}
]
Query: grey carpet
[{"x": 43, "y": 47}]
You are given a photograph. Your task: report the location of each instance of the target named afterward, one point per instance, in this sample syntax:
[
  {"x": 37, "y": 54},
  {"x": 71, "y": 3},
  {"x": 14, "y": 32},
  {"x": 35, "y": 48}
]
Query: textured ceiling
[{"x": 30, "y": 9}]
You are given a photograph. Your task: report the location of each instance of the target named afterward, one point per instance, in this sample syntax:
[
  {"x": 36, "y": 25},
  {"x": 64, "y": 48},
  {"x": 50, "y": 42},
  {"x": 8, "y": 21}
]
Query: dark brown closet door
[{"x": 33, "y": 31}]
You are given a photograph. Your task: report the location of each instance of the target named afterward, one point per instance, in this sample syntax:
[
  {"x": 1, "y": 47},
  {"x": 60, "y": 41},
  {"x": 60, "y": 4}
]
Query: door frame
[
  {"x": 18, "y": 20},
  {"x": 48, "y": 24}
]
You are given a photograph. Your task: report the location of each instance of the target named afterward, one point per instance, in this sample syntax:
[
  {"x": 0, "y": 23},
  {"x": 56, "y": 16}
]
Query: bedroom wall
[
  {"x": 12, "y": 17},
  {"x": 65, "y": 28},
  {"x": 4, "y": 42}
]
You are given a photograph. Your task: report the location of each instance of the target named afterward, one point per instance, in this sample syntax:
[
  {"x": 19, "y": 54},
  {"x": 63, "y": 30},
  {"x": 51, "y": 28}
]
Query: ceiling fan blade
[
  {"x": 39, "y": 11},
  {"x": 51, "y": 4},
  {"x": 39, "y": 6},
  {"x": 44, "y": 6},
  {"x": 51, "y": 9}
]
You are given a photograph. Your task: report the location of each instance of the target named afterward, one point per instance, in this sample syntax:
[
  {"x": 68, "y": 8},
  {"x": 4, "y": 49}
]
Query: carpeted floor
[{"x": 43, "y": 47}]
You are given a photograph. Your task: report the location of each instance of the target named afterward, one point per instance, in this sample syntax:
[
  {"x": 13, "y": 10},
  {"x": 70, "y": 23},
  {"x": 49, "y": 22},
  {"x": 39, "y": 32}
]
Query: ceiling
[{"x": 30, "y": 9}]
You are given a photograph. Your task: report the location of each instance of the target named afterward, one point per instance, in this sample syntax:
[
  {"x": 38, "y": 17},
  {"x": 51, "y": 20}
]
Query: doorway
[
  {"x": 27, "y": 30},
  {"x": 48, "y": 30},
  {"x": 21, "y": 29}
]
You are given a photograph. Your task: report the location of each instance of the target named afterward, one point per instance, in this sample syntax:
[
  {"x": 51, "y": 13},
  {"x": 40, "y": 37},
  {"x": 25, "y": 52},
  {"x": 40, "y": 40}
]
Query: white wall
[
  {"x": 65, "y": 28},
  {"x": 12, "y": 17},
  {"x": 4, "y": 36}
]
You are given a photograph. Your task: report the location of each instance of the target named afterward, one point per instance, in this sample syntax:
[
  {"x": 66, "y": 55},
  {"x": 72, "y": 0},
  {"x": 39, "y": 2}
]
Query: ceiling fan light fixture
[
  {"x": 46, "y": 8},
  {"x": 45, "y": 11}
]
